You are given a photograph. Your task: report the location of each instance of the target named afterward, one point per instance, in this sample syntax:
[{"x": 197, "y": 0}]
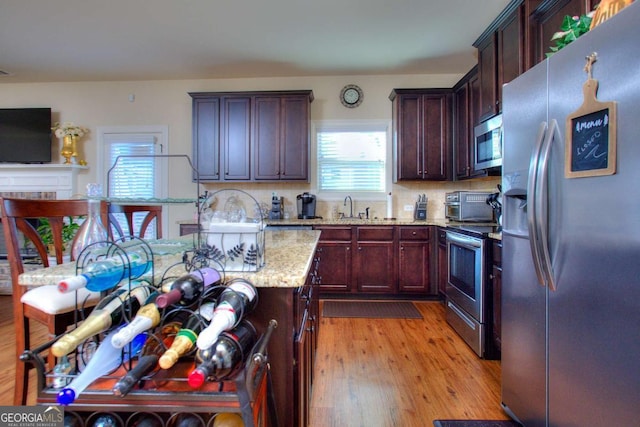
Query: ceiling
[{"x": 117, "y": 40}]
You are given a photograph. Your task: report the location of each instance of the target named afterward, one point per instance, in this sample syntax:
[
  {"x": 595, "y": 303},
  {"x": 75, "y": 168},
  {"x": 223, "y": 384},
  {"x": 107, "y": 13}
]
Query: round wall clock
[{"x": 351, "y": 96}]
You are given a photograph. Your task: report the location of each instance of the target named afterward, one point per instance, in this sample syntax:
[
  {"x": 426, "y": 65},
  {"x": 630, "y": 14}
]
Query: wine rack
[
  {"x": 108, "y": 418},
  {"x": 164, "y": 393},
  {"x": 247, "y": 397},
  {"x": 167, "y": 394}
]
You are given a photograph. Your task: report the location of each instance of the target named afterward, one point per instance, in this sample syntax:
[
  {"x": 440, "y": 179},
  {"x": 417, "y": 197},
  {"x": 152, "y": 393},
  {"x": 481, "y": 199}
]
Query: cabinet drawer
[
  {"x": 375, "y": 233},
  {"x": 335, "y": 233},
  {"x": 414, "y": 233}
]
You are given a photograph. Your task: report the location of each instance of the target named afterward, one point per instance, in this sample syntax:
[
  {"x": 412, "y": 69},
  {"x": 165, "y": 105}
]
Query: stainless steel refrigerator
[{"x": 571, "y": 263}]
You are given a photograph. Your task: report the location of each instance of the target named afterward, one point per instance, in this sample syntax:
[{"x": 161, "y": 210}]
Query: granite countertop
[
  {"x": 288, "y": 258},
  {"x": 356, "y": 221},
  {"x": 352, "y": 221}
]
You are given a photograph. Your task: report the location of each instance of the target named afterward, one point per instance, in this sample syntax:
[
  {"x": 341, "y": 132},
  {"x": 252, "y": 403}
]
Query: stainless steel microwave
[{"x": 488, "y": 144}]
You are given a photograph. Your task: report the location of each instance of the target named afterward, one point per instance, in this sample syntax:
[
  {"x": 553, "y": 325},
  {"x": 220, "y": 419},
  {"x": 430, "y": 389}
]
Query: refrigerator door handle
[
  {"x": 542, "y": 204},
  {"x": 532, "y": 212}
]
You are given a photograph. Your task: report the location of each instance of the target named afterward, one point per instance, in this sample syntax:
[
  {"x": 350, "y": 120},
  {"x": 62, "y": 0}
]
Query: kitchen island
[{"x": 286, "y": 291}]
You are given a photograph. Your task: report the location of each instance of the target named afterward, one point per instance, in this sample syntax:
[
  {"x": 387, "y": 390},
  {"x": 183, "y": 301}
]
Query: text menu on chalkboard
[
  {"x": 590, "y": 141},
  {"x": 590, "y": 148}
]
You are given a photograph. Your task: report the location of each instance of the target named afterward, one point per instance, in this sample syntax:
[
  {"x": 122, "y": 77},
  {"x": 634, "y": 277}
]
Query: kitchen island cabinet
[{"x": 286, "y": 292}]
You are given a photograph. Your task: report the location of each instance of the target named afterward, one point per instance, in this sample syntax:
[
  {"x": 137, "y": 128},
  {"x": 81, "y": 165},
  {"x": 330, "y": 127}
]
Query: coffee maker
[{"x": 306, "y": 206}]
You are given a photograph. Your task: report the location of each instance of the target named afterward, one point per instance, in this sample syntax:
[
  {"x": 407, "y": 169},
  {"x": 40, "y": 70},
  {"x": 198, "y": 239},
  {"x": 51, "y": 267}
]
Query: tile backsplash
[{"x": 403, "y": 194}]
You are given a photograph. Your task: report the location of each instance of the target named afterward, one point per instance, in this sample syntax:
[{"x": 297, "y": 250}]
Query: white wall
[{"x": 94, "y": 104}]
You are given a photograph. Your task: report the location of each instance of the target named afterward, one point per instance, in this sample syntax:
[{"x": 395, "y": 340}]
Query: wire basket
[{"x": 232, "y": 230}]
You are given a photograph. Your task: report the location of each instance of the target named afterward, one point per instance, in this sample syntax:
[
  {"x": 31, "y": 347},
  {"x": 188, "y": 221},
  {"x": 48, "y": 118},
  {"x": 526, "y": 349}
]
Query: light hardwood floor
[
  {"x": 400, "y": 372},
  {"x": 372, "y": 372}
]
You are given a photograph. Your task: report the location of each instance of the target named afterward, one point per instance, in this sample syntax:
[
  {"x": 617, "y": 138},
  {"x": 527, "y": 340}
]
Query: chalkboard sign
[{"x": 591, "y": 137}]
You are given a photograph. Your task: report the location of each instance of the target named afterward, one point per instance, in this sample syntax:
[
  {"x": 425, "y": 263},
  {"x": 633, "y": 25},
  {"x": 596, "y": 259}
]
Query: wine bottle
[
  {"x": 103, "y": 274},
  {"x": 228, "y": 419},
  {"x": 185, "y": 419},
  {"x": 187, "y": 289},
  {"x": 237, "y": 300},
  {"x": 61, "y": 373},
  {"x": 106, "y": 359},
  {"x": 110, "y": 311},
  {"x": 225, "y": 357},
  {"x": 146, "y": 318},
  {"x": 145, "y": 419},
  {"x": 153, "y": 348},
  {"x": 106, "y": 419},
  {"x": 71, "y": 419},
  {"x": 185, "y": 339},
  {"x": 144, "y": 366},
  {"x": 92, "y": 231}
]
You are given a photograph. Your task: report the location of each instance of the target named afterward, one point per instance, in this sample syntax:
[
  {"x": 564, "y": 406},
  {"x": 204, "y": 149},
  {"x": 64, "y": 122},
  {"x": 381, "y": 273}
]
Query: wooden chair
[
  {"x": 151, "y": 213},
  {"x": 45, "y": 304}
]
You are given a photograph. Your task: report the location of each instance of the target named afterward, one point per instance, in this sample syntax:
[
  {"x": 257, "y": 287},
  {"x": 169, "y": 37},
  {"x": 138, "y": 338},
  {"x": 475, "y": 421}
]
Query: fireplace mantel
[{"x": 58, "y": 178}]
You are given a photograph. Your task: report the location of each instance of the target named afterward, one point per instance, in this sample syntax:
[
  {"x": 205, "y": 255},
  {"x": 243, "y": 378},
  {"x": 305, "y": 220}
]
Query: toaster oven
[{"x": 469, "y": 206}]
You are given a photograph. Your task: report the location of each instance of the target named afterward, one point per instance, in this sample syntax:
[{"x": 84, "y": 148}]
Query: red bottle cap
[{"x": 196, "y": 378}]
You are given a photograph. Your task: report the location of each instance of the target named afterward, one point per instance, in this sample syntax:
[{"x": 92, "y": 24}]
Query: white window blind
[
  {"x": 351, "y": 160},
  {"x": 132, "y": 177},
  {"x": 132, "y": 172}
]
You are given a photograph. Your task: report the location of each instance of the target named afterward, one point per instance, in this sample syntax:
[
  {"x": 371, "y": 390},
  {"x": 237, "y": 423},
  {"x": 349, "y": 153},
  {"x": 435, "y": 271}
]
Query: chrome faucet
[{"x": 350, "y": 205}]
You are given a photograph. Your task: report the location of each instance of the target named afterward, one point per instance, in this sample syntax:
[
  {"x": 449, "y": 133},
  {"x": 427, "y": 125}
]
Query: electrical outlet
[{"x": 408, "y": 208}]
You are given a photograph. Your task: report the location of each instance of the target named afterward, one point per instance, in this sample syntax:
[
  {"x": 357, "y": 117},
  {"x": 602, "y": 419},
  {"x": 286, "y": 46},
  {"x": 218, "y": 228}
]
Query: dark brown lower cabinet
[
  {"x": 292, "y": 346},
  {"x": 374, "y": 267},
  {"x": 496, "y": 283},
  {"x": 443, "y": 262},
  {"x": 306, "y": 315},
  {"x": 334, "y": 251},
  {"x": 414, "y": 259},
  {"x": 376, "y": 260}
]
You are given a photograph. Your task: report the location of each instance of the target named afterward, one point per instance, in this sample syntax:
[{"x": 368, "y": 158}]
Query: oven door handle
[{"x": 464, "y": 241}]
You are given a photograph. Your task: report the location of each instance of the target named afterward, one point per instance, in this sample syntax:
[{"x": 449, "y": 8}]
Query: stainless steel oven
[{"x": 466, "y": 290}]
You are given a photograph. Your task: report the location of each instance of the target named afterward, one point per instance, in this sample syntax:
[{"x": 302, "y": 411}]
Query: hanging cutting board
[{"x": 590, "y": 148}]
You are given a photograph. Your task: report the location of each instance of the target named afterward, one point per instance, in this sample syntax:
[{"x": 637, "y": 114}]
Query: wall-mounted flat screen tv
[{"x": 25, "y": 135}]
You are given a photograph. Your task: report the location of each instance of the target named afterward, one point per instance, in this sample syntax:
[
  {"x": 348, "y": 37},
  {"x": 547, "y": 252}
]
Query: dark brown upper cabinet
[
  {"x": 281, "y": 137},
  {"x": 421, "y": 134},
  {"x": 251, "y": 136},
  {"x": 466, "y": 110},
  {"x": 502, "y": 52},
  {"x": 545, "y": 20}
]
